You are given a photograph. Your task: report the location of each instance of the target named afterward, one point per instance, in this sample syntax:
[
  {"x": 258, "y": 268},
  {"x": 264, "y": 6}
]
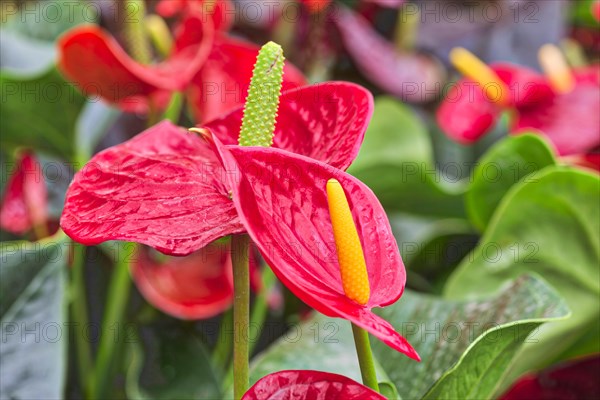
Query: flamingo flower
[
  {"x": 24, "y": 204},
  {"x": 178, "y": 192},
  {"x": 306, "y": 384},
  {"x": 557, "y": 107},
  {"x": 204, "y": 62},
  {"x": 194, "y": 287}
]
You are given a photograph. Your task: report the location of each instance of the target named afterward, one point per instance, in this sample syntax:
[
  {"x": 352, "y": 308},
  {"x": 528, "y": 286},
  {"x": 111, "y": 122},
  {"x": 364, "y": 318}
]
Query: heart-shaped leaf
[
  {"x": 32, "y": 315},
  {"x": 551, "y": 226},
  {"x": 500, "y": 168},
  {"x": 169, "y": 363},
  {"x": 465, "y": 345},
  {"x": 40, "y": 113}
]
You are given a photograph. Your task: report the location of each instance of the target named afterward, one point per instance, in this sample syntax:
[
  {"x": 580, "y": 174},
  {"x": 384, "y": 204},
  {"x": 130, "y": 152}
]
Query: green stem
[
  {"x": 79, "y": 315},
  {"x": 365, "y": 357},
  {"x": 241, "y": 313},
  {"x": 112, "y": 323},
  {"x": 257, "y": 316}
]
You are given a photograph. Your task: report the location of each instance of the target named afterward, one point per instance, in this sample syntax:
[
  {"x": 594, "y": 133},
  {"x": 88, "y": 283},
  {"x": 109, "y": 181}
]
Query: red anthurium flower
[
  {"x": 93, "y": 59},
  {"x": 306, "y": 384},
  {"x": 167, "y": 188},
  {"x": 563, "y": 116},
  {"x": 178, "y": 192},
  {"x": 282, "y": 203},
  {"x": 194, "y": 287},
  {"x": 577, "y": 379},
  {"x": 411, "y": 76},
  {"x": 24, "y": 205}
]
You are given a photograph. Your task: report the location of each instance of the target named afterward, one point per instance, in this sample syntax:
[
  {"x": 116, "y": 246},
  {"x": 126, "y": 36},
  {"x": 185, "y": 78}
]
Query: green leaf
[
  {"x": 431, "y": 248},
  {"x": 320, "y": 343},
  {"x": 551, "y": 226},
  {"x": 457, "y": 339},
  {"x": 506, "y": 163},
  {"x": 396, "y": 162},
  {"x": 28, "y": 35},
  {"x": 260, "y": 109},
  {"x": 169, "y": 363},
  {"x": 33, "y": 319},
  {"x": 40, "y": 113}
]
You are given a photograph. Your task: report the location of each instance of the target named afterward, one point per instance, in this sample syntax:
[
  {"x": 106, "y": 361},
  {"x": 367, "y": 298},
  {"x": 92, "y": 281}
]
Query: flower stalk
[
  {"x": 240, "y": 245},
  {"x": 365, "y": 357}
]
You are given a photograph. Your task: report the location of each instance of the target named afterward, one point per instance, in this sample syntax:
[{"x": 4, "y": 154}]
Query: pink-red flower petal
[
  {"x": 567, "y": 120},
  {"x": 413, "y": 77},
  {"x": 527, "y": 87},
  {"x": 466, "y": 114},
  {"x": 222, "y": 83},
  {"x": 577, "y": 379},
  {"x": 94, "y": 60},
  {"x": 307, "y": 384},
  {"x": 162, "y": 188},
  {"x": 24, "y": 203},
  {"x": 326, "y": 122},
  {"x": 282, "y": 202},
  {"x": 198, "y": 286}
]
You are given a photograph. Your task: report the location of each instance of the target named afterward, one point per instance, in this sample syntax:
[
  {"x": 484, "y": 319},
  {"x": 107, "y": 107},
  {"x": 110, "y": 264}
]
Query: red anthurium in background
[
  {"x": 167, "y": 188},
  {"x": 24, "y": 204},
  {"x": 194, "y": 287},
  {"x": 197, "y": 286},
  {"x": 306, "y": 384},
  {"x": 558, "y": 107},
  {"x": 204, "y": 62},
  {"x": 577, "y": 379},
  {"x": 94, "y": 60}
]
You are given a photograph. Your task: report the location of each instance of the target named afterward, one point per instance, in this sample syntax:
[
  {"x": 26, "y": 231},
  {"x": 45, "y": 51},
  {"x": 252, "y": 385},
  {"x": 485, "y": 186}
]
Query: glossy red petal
[
  {"x": 282, "y": 202},
  {"x": 567, "y": 121},
  {"x": 466, "y": 114},
  {"x": 162, "y": 188},
  {"x": 527, "y": 87},
  {"x": 94, "y": 60},
  {"x": 222, "y": 84},
  {"x": 325, "y": 121},
  {"x": 197, "y": 286},
  {"x": 577, "y": 379},
  {"x": 410, "y": 76},
  {"x": 25, "y": 199},
  {"x": 307, "y": 384}
]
